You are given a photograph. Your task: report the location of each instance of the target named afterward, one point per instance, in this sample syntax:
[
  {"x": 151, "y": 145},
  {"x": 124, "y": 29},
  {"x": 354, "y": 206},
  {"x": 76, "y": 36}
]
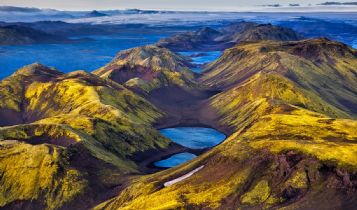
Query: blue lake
[
  {"x": 175, "y": 160},
  {"x": 194, "y": 137},
  {"x": 191, "y": 137},
  {"x": 86, "y": 55}
]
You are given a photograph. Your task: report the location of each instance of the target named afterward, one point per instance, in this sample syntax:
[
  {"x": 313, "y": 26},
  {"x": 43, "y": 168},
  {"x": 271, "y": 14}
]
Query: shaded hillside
[
  {"x": 78, "y": 130},
  {"x": 288, "y": 147},
  {"x": 210, "y": 39},
  {"x": 16, "y": 35}
]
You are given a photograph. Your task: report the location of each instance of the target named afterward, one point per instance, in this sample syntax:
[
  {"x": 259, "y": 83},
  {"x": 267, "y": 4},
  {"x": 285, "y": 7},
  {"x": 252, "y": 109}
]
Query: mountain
[
  {"x": 163, "y": 77},
  {"x": 95, "y": 13},
  {"x": 17, "y": 35},
  {"x": 291, "y": 142},
  {"x": 211, "y": 39},
  {"x": 148, "y": 68},
  {"x": 322, "y": 67},
  {"x": 265, "y": 32},
  {"x": 76, "y": 137},
  {"x": 190, "y": 40}
]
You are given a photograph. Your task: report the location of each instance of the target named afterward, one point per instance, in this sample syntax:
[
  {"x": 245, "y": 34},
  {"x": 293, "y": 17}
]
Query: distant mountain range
[
  {"x": 36, "y": 14},
  {"x": 338, "y": 3},
  {"x": 211, "y": 39},
  {"x": 16, "y": 35},
  {"x": 18, "y": 9}
]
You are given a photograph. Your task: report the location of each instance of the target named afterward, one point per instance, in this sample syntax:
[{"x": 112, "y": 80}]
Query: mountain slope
[
  {"x": 103, "y": 129},
  {"x": 322, "y": 68}
]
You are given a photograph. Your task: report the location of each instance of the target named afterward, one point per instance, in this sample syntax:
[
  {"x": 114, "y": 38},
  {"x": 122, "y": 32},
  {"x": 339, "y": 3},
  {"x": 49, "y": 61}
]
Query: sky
[{"x": 218, "y": 5}]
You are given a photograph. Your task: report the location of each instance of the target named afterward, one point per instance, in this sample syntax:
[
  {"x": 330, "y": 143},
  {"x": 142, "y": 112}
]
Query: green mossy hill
[
  {"x": 290, "y": 146},
  {"x": 100, "y": 108},
  {"x": 101, "y": 125},
  {"x": 325, "y": 71},
  {"x": 12, "y": 90},
  {"x": 147, "y": 68}
]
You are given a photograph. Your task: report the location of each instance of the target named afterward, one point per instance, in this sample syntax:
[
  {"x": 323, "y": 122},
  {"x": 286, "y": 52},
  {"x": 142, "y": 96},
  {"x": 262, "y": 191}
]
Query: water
[
  {"x": 194, "y": 137},
  {"x": 201, "y": 58},
  {"x": 86, "y": 55},
  {"x": 354, "y": 44},
  {"x": 191, "y": 137},
  {"x": 175, "y": 160}
]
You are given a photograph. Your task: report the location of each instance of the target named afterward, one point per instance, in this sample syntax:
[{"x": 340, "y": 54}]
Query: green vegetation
[
  {"x": 38, "y": 173},
  {"x": 258, "y": 194},
  {"x": 77, "y": 139}
]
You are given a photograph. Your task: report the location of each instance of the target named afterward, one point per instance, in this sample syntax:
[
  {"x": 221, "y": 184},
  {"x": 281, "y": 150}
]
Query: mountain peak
[
  {"x": 320, "y": 48},
  {"x": 95, "y": 13},
  {"x": 37, "y": 69},
  {"x": 155, "y": 66},
  {"x": 150, "y": 56},
  {"x": 207, "y": 31}
]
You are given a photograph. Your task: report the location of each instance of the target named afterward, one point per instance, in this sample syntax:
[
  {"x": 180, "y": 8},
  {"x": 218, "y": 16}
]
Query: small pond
[
  {"x": 190, "y": 137},
  {"x": 201, "y": 58}
]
